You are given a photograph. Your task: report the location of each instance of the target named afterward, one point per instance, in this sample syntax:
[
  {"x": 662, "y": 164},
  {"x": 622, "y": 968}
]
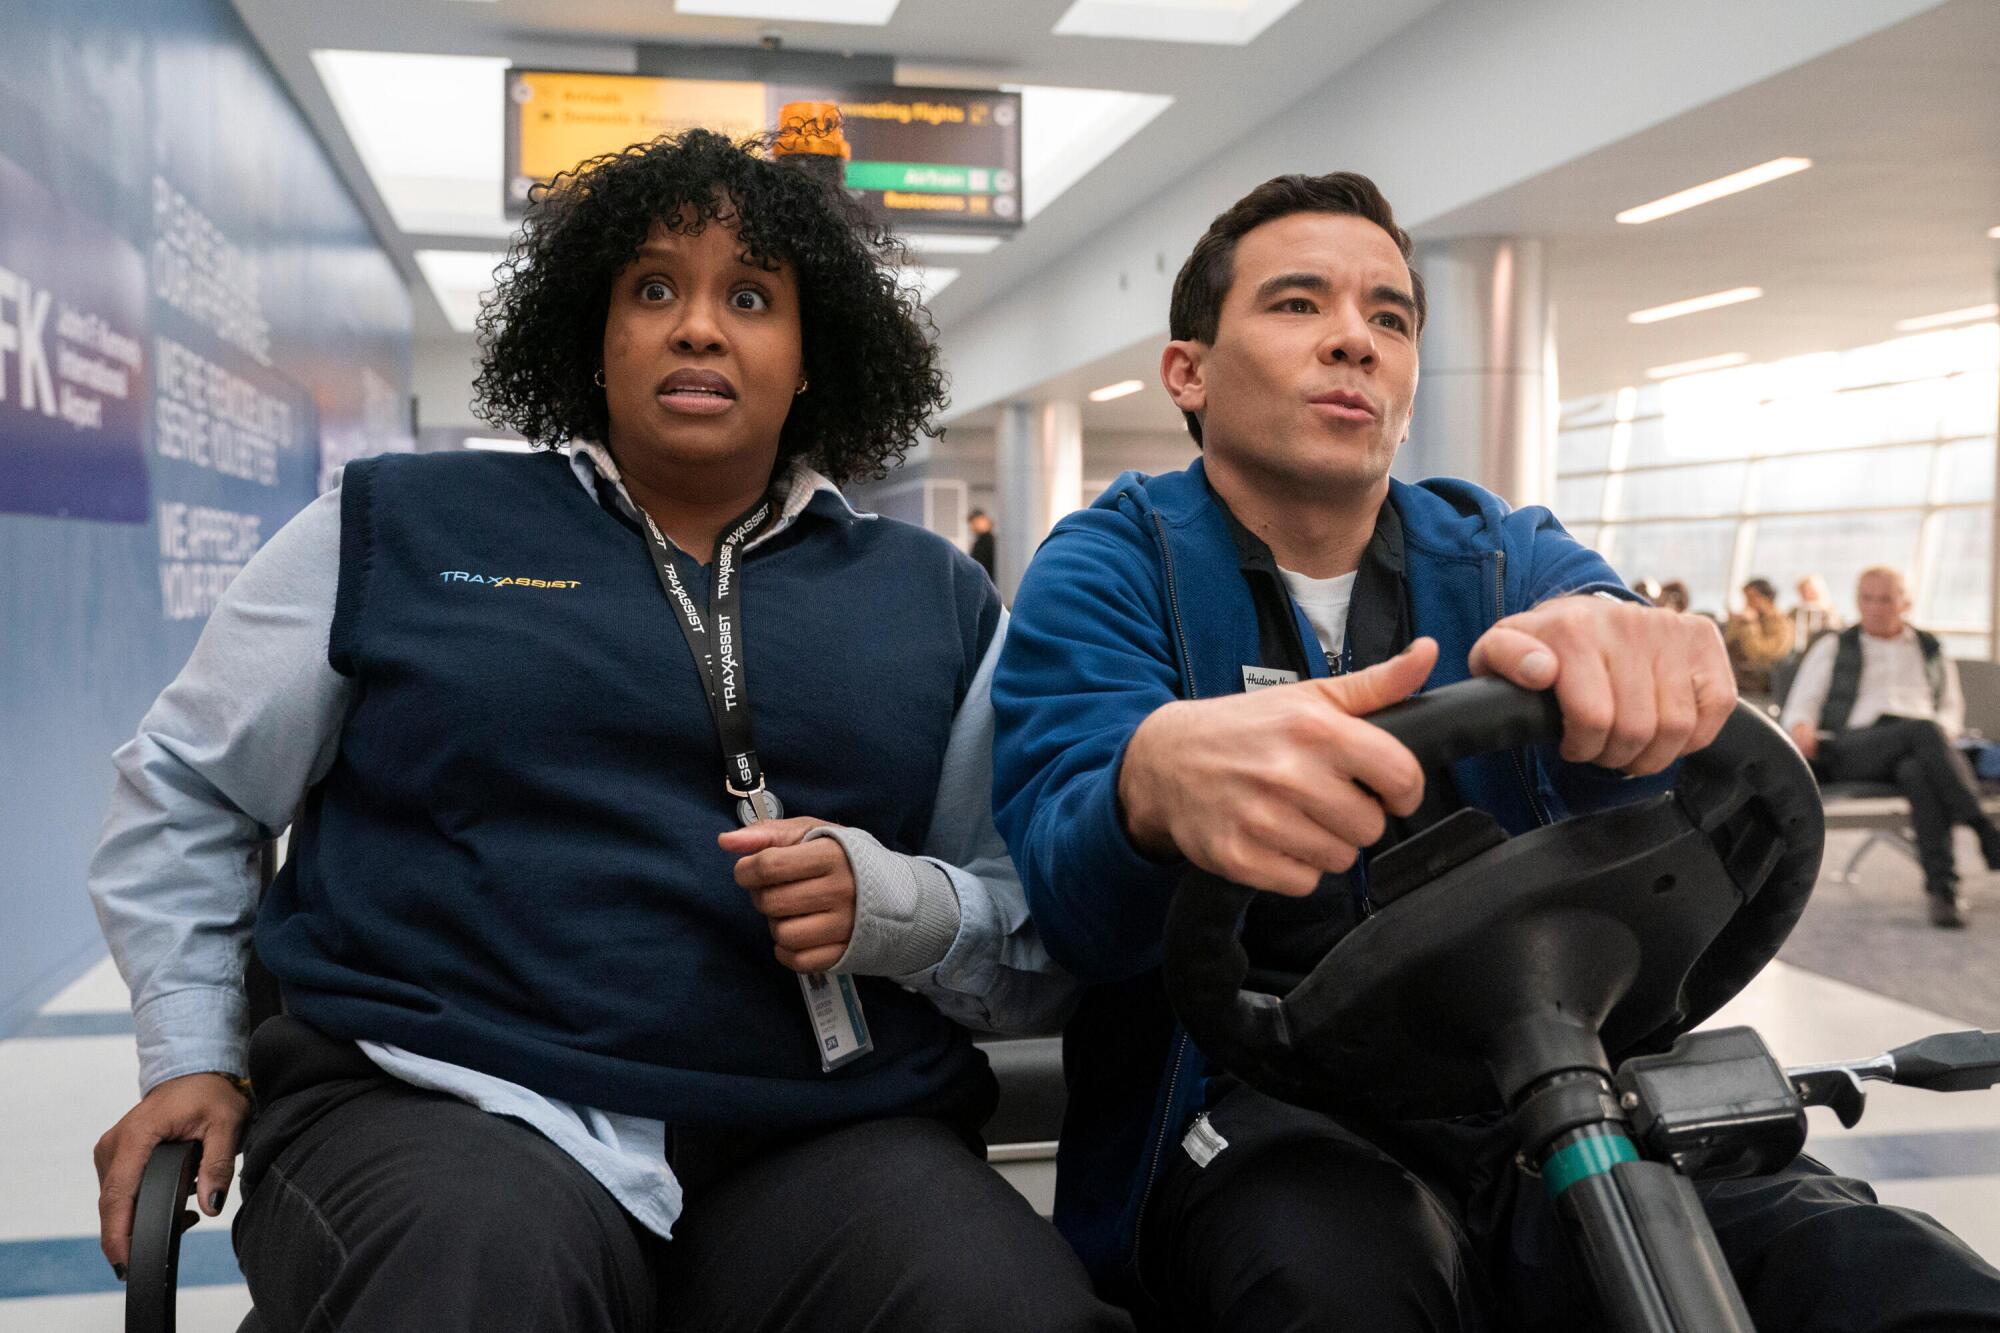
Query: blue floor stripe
[
  {"x": 1942, "y": 1152},
  {"x": 91, "y": 1023},
  {"x": 74, "y": 1266}
]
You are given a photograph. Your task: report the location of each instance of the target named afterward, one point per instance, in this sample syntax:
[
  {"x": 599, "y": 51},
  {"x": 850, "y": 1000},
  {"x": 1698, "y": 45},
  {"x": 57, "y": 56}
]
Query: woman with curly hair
[{"x": 583, "y": 1030}]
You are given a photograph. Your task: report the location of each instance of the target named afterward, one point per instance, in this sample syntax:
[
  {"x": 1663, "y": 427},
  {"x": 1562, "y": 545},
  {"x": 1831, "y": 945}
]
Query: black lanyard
[{"x": 718, "y": 654}]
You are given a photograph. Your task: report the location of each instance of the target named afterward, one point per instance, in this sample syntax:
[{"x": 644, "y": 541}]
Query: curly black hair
[{"x": 869, "y": 345}]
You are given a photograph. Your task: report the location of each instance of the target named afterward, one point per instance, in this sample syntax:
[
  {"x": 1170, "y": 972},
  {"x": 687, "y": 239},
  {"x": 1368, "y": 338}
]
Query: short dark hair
[
  {"x": 869, "y": 346},
  {"x": 1204, "y": 279},
  {"x": 1763, "y": 588},
  {"x": 975, "y": 513}
]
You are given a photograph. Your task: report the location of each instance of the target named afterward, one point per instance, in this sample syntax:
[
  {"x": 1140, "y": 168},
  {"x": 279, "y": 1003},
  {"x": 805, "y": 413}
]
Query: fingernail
[
  {"x": 215, "y": 1201},
  {"x": 1539, "y": 663},
  {"x": 118, "y": 1271}
]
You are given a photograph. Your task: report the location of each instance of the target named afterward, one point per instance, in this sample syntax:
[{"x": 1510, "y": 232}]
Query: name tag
[
  {"x": 1263, "y": 678},
  {"x": 838, "y": 1027}
]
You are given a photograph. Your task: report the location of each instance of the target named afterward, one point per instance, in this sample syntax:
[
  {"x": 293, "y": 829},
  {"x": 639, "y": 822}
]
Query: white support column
[
  {"x": 1993, "y": 537},
  {"x": 1486, "y": 396},
  {"x": 1038, "y": 457}
]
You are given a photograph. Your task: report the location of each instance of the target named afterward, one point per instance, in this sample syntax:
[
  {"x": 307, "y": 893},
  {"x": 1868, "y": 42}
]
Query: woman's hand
[
  {"x": 804, "y": 889},
  {"x": 195, "y": 1106}
]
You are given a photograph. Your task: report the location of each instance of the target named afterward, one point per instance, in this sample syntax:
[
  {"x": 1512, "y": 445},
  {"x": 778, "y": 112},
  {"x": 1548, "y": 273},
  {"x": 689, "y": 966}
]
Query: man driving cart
[{"x": 1184, "y": 685}]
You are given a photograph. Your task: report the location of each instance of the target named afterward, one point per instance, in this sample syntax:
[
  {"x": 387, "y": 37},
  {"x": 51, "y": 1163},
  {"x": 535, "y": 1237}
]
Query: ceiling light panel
[
  {"x": 1067, "y": 132},
  {"x": 875, "y": 12},
  {"x": 1969, "y": 315},
  {"x": 1210, "y": 22},
  {"x": 947, "y": 243},
  {"x": 1721, "y": 188},
  {"x": 1695, "y": 367},
  {"x": 1694, "y": 305},
  {"x": 1122, "y": 389},
  {"x": 459, "y": 278},
  {"x": 429, "y": 131}
]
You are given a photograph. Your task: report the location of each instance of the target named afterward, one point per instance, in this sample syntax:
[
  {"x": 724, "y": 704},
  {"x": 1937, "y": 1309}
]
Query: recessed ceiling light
[
  {"x": 1121, "y": 389},
  {"x": 1735, "y": 183},
  {"x": 1965, "y": 316},
  {"x": 498, "y": 446},
  {"x": 1214, "y": 22},
  {"x": 458, "y": 278},
  {"x": 948, "y": 243},
  {"x": 1696, "y": 366},
  {"x": 1694, "y": 304},
  {"x": 1066, "y": 132},
  {"x": 1993, "y": 233},
  {"x": 429, "y": 131},
  {"x": 794, "y": 11}
]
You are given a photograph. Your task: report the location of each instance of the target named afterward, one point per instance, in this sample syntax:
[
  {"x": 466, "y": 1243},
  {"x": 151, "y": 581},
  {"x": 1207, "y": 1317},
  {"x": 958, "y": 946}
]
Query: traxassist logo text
[{"x": 502, "y": 580}]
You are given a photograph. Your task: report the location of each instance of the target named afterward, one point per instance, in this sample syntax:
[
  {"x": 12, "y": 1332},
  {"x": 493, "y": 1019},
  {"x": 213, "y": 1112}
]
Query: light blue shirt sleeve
[
  {"x": 219, "y": 764},
  {"x": 997, "y": 976}
]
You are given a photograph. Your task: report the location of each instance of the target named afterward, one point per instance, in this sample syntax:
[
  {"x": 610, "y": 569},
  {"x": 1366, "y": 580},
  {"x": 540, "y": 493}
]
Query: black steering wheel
[{"x": 1627, "y": 926}]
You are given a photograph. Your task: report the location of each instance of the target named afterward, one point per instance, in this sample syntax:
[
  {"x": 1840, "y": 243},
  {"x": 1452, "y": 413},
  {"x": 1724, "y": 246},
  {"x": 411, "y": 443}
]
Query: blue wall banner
[
  {"x": 186, "y": 280},
  {"x": 73, "y": 392}
]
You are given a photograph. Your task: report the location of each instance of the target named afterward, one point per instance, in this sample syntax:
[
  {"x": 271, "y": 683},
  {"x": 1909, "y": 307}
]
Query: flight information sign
[{"x": 921, "y": 158}]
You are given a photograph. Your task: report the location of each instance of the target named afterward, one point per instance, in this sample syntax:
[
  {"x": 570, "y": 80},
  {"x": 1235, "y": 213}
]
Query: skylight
[
  {"x": 1067, "y": 132},
  {"x": 795, "y": 11},
  {"x": 929, "y": 281},
  {"x": 429, "y": 131},
  {"x": 1213, "y": 22},
  {"x": 458, "y": 278}
]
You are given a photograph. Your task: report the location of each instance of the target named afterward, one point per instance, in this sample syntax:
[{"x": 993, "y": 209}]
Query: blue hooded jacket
[{"x": 1135, "y": 602}]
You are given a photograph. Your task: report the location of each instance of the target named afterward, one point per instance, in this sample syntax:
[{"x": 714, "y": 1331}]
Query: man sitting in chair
[
  {"x": 1879, "y": 702},
  {"x": 1184, "y": 683}
]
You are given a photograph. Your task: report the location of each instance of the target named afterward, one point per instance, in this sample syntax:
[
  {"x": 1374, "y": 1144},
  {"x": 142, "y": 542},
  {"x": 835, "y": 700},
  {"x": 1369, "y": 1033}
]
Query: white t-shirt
[{"x": 1325, "y": 603}]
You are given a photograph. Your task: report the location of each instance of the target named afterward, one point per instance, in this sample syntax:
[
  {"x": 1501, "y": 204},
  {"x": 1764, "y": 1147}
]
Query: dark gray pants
[
  {"x": 370, "y": 1204},
  {"x": 1926, "y": 768},
  {"x": 1304, "y": 1223}
]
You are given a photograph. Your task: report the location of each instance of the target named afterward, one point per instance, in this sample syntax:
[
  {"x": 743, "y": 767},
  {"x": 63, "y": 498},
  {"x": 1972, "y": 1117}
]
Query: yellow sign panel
[{"x": 565, "y": 118}]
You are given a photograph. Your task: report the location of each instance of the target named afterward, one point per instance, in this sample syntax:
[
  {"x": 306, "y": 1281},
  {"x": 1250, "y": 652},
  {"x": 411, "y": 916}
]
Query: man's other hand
[
  {"x": 1807, "y": 739},
  {"x": 1277, "y": 788},
  {"x": 1639, "y": 686}
]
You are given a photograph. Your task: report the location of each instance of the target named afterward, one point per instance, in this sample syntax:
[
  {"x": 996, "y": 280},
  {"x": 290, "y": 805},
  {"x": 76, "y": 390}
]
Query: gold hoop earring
[{"x": 598, "y": 378}]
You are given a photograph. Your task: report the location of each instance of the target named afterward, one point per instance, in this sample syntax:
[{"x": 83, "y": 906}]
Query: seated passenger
[
  {"x": 1814, "y": 615},
  {"x": 1758, "y": 638},
  {"x": 1880, "y": 702},
  {"x": 1141, "y": 728},
  {"x": 535, "y": 1026}
]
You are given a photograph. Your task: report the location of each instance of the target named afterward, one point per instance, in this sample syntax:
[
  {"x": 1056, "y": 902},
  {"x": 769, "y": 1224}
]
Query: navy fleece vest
[{"x": 512, "y": 864}]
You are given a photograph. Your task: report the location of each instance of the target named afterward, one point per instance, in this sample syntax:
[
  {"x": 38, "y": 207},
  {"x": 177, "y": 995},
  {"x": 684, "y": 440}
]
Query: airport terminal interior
[{"x": 1714, "y": 282}]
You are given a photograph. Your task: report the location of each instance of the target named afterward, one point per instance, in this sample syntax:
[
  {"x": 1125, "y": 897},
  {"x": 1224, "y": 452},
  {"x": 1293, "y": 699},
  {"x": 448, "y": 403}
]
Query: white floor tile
[
  {"x": 1806, "y": 1018},
  {"x": 61, "y": 1095},
  {"x": 203, "y": 1310}
]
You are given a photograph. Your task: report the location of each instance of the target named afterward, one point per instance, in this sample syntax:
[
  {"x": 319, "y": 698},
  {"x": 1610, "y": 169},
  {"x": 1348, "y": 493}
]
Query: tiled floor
[{"x": 64, "y": 1086}]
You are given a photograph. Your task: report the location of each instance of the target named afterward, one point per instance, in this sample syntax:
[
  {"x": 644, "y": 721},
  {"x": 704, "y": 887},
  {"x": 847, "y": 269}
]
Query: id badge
[
  {"x": 1257, "y": 678},
  {"x": 839, "y": 1030}
]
